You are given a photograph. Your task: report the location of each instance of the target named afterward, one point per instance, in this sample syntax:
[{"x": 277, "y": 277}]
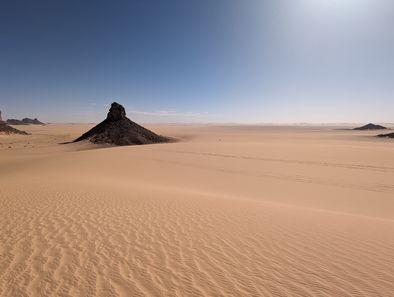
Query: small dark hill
[
  {"x": 389, "y": 135},
  {"x": 35, "y": 121},
  {"x": 117, "y": 129},
  {"x": 370, "y": 127},
  {"x": 25, "y": 121},
  {"x": 5, "y": 129}
]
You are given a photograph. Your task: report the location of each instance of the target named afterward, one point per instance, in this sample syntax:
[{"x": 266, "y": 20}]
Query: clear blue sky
[{"x": 199, "y": 60}]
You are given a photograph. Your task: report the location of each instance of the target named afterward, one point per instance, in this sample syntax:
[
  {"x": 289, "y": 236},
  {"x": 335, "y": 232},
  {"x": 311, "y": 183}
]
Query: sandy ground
[{"x": 228, "y": 211}]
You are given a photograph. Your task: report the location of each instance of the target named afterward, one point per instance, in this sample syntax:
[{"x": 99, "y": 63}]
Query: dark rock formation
[
  {"x": 35, "y": 121},
  {"x": 14, "y": 122},
  {"x": 389, "y": 135},
  {"x": 370, "y": 127},
  {"x": 25, "y": 121},
  {"x": 117, "y": 129},
  {"x": 5, "y": 129}
]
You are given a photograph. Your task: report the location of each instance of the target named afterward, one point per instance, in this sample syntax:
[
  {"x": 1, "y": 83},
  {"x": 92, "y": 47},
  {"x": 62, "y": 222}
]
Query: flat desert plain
[{"x": 226, "y": 211}]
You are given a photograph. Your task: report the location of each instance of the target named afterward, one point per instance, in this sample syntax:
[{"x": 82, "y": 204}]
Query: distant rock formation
[
  {"x": 117, "y": 129},
  {"x": 25, "y": 121},
  {"x": 370, "y": 126},
  {"x": 389, "y": 135},
  {"x": 5, "y": 129},
  {"x": 1, "y": 119},
  {"x": 34, "y": 121},
  {"x": 14, "y": 122}
]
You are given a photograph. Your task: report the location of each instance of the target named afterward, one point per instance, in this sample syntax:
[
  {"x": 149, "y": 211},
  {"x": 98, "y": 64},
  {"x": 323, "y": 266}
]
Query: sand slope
[{"x": 229, "y": 211}]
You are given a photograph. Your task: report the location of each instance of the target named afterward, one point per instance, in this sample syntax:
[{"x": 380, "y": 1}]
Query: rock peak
[
  {"x": 370, "y": 126},
  {"x": 116, "y": 112},
  {"x": 117, "y": 129}
]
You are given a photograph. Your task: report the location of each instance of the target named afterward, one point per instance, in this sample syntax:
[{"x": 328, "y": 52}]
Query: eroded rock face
[
  {"x": 117, "y": 129},
  {"x": 116, "y": 112}
]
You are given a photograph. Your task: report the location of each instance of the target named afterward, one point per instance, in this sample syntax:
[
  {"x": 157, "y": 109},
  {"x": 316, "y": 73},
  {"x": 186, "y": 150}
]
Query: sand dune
[{"x": 228, "y": 211}]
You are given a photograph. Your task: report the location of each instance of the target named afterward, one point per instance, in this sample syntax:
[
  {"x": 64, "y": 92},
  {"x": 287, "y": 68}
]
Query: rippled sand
[{"x": 228, "y": 211}]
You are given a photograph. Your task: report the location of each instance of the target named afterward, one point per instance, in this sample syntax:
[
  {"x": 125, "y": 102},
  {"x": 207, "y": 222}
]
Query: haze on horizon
[{"x": 198, "y": 61}]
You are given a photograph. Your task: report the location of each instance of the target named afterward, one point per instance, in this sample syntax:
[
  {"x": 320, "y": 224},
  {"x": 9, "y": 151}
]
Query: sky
[{"x": 198, "y": 61}]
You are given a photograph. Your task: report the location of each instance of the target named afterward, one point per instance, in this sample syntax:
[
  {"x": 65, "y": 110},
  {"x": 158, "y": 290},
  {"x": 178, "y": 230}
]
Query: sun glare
[
  {"x": 343, "y": 8},
  {"x": 336, "y": 4}
]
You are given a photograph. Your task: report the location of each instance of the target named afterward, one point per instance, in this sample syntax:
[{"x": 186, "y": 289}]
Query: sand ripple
[{"x": 153, "y": 242}]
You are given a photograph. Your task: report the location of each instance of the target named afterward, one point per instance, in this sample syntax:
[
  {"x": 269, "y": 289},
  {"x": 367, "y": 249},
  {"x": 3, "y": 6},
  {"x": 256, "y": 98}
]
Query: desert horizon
[
  {"x": 225, "y": 211},
  {"x": 197, "y": 148}
]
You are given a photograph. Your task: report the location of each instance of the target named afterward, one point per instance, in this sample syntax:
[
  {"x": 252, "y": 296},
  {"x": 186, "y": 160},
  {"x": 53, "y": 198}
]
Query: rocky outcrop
[
  {"x": 34, "y": 121},
  {"x": 117, "y": 129},
  {"x": 389, "y": 135},
  {"x": 370, "y": 126},
  {"x": 14, "y": 122},
  {"x": 25, "y": 121},
  {"x": 5, "y": 129}
]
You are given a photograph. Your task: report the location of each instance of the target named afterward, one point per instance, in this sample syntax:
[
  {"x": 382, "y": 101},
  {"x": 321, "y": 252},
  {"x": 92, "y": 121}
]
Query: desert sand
[{"x": 226, "y": 211}]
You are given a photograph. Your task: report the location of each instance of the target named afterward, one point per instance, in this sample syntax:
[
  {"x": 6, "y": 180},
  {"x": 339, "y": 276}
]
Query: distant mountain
[
  {"x": 25, "y": 121},
  {"x": 117, "y": 129},
  {"x": 14, "y": 122},
  {"x": 5, "y": 129},
  {"x": 32, "y": 121},
  {"x": 389, "y": 135},
  {"x": 370, "y": 126}
]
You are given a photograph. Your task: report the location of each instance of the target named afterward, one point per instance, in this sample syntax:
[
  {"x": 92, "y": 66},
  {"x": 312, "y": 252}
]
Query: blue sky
[{"x": 249, "y": 61}]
